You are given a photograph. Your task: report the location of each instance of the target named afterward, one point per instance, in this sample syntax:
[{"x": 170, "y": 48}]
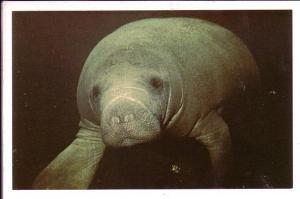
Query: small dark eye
[
  {"x": 95, "y": 92},
  {"x": 156, "y": 82}
]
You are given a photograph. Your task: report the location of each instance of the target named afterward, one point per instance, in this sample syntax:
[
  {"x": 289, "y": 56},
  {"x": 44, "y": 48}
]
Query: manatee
[{"x": 152, "y": 78}]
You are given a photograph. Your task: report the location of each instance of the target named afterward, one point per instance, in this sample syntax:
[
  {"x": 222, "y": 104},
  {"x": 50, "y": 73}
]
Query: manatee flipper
[
  {"x": 213, "y": 132},
  {"x": 74, "y": 167}
]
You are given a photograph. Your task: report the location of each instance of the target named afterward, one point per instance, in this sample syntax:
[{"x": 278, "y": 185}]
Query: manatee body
[{"x": 153, "y": 77}]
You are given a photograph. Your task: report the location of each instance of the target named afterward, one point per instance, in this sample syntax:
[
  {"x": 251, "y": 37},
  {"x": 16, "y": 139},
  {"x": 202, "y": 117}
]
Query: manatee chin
[{"x": 127, "y": 121}]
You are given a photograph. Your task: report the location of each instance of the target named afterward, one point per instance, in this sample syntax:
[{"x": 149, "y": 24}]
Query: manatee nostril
[
  {"x": 115, "y": 120},
  {"x": 128, "y": 118}
]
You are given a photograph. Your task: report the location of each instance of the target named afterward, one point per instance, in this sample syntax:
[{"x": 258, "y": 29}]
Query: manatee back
[{"x": 213, "y": 63}]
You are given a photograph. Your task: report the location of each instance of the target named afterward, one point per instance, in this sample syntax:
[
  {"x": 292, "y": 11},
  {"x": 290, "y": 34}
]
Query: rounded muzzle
[{"x": 124, "y": 110}]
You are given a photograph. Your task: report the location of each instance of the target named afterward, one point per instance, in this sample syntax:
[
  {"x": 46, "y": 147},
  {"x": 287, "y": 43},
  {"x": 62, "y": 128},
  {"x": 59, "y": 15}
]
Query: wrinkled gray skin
[{"x": 152, "y": 77}]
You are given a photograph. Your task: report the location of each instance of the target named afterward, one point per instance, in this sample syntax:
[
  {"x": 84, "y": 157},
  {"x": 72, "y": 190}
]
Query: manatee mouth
[
  {"x": 137, "y": 132},
  {"x": 127, "y": 142},
  {"x": 127, "y": 121}
]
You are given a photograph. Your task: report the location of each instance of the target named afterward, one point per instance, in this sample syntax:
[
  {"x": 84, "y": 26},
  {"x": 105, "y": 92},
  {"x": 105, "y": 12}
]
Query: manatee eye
[
  {"x": 156, "y": 82},
  {"x": 95, "y": 92}
]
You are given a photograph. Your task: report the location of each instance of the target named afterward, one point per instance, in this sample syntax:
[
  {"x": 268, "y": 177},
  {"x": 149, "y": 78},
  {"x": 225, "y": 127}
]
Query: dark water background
[{"x": 49, "y": 50}]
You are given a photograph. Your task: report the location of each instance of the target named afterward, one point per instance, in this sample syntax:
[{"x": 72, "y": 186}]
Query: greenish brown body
[{"x": 198, "y": 65}]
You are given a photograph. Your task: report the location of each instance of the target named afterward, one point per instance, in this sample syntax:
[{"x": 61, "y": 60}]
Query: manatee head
[{"x": 130, "y": 102}]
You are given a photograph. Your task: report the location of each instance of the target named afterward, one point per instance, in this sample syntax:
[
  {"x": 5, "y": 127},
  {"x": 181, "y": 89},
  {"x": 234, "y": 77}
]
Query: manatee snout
[{"x": 127, "y": 118}]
